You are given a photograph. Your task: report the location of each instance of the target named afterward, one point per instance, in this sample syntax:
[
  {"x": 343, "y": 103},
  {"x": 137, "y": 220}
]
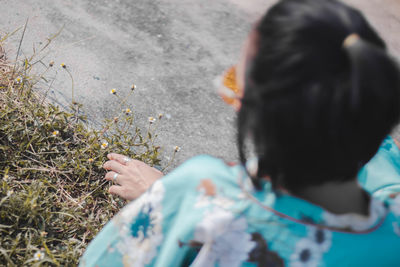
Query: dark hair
[{"x": 316, "y": 110}]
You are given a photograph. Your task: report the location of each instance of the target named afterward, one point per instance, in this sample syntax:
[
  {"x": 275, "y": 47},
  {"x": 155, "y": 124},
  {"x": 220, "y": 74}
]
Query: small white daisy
[
  {"x": 128, "y": 111},
  {"x": 104, "y": 145},
  {"x": 177, "y": 148},
  {"x": 55, "y": 133},
  {"x": 39, "y": 255},
  {"x": 18, "y": 80},
  {"x": 152, "y": 120},
  {"x": 113, "y": 91}
]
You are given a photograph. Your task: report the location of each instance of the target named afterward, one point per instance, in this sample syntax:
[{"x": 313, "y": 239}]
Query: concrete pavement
[{"x": 171, "y": 49}]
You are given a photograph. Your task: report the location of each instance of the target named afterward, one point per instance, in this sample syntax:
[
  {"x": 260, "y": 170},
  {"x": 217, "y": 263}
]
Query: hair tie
[{"x": 350, "y": 40}]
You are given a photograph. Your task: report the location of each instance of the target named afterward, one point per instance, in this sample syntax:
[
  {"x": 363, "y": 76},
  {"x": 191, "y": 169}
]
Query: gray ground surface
[{"x": 171, "y": 49}]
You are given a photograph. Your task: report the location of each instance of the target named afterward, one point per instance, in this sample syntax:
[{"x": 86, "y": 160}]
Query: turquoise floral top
[{"x": 206, "y": 213}]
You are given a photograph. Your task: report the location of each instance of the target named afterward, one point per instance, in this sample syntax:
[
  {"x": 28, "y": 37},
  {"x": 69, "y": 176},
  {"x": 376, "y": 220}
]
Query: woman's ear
[
  {"x": 248, "y": 52},
  {"x": 237, "y": 104}
]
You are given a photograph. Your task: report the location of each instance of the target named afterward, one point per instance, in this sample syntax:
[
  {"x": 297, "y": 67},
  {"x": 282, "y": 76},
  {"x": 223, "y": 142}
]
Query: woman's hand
[{"x": 131, "y": 177}]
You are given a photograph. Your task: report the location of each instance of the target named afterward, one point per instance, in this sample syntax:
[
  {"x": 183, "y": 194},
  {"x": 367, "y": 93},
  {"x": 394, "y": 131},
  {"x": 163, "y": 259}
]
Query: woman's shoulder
[
  {"x": 199, "y": 214},
  {"x": 204, "y": 164},
  {"x": 382, "y": 173}
]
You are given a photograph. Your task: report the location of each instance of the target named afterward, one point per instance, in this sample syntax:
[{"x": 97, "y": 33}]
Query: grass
[{"x": 53, "y": 198}]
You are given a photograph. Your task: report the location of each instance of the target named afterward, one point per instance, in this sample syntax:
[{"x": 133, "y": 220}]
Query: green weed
[{"x": 53, "y": 198}]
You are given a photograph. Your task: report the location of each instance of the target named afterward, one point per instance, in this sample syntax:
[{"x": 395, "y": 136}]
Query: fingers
[
  {"x": 122, "y": 159},
  {"x": 114, "y": 166},
  {"x": 112, "y": 156},
  {"x": 110, "y": 176},
  {"x": 117, "y": 190},
  {"x": 120, "y": 180},
  {"x": 118, "y": 157},
  {"x": 134, "y": 177}
]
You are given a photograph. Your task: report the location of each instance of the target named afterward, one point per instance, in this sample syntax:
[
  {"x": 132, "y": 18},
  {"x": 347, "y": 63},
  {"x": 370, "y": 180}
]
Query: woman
[{"x": 317, "y": 94}]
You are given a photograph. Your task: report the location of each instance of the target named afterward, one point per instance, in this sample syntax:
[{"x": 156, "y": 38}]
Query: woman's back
[{"x": 205, "y": 213}]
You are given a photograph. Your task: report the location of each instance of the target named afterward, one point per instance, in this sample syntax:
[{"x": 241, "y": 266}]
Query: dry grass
[{"x": 53, "y": 199}]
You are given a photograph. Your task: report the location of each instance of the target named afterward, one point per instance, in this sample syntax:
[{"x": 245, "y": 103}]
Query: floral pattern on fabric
[
  {"x": 220, "y": 232},
  {"x": 395, "y": 207},
  {"x": 307, "y": 253},
  {"x": 262, "y": 255},
  {"x": 396, "y": 228},
  {"x": 206, "y": 213},
  {"x": 322, "y": 238},
  {"x": 356, "y": 222},
  {"x": 208, "y": 196},
  {"x": 140, "y": 226}
]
